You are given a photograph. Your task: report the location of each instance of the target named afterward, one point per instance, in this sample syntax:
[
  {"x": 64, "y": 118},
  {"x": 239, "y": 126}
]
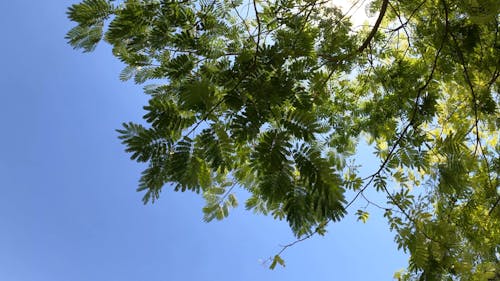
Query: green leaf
[
  {"x": 85, "y": 37},
  {"x": 127, "y": 73},
  {"x": 277, "y": 260},
  {"x": 233, "y": 202},
  {"x": 90, "y": 12},
  {"x": 362, "y": 215}
]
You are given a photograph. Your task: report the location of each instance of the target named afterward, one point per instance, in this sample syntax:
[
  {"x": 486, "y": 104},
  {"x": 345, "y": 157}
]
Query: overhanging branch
[
  {"x": 375, "y": 28},
  {"x": 367, "y": 40}
]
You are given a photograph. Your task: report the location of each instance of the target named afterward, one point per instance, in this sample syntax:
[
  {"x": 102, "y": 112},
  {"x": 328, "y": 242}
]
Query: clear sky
[{"x": 68, "y": 206}]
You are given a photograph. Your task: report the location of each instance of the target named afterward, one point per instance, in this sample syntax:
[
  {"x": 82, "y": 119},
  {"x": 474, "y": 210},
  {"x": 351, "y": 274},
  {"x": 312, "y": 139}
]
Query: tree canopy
[{"x": 273, "y": 96}]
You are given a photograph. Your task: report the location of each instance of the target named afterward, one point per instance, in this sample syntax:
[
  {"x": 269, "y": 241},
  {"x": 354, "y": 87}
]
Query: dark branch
[
  {"x": 367, "y": 41},
  {"x": 257, "y": 18},
  {"x": 494, "y": 206},
  {"x": 381, "y": 15}
]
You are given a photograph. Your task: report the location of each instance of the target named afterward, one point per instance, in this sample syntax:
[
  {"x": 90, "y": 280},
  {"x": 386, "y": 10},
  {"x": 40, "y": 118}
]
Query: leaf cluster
[{"x": 276, "y": 101}]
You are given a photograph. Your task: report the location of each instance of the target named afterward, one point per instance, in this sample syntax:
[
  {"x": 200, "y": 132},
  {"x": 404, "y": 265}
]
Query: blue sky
[{"x": 68, "y": 206}]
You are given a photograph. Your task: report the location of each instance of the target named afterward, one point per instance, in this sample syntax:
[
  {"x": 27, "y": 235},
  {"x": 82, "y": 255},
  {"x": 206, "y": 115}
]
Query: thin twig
[{"x": 409, "y": 17}]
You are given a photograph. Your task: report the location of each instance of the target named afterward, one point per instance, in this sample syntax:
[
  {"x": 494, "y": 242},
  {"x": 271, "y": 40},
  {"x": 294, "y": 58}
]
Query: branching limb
[
  {"x": 370, "y": 202},
  {"x": 374, "y": 30},
  {"x": 403, "y": 25},
  {"x": 366, "y": 42},
  {"x": 257, "y": 18}
]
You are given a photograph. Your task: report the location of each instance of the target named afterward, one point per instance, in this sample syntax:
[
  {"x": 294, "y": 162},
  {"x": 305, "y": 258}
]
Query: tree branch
[
  {"x": 257, "y": 18},
  {"x": 494, "y": 206},
  {"x": 368, "y": 39},
  {"x": 409, "y": 17}
]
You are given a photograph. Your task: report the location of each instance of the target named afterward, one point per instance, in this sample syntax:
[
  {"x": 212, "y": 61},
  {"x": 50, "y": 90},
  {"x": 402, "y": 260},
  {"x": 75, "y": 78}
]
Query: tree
[{"x": 272, "y": 96}]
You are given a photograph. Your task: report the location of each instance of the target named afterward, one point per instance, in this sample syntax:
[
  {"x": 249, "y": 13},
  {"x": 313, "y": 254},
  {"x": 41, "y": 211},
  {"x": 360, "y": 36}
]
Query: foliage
[{"x": 273, "y": 96}]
